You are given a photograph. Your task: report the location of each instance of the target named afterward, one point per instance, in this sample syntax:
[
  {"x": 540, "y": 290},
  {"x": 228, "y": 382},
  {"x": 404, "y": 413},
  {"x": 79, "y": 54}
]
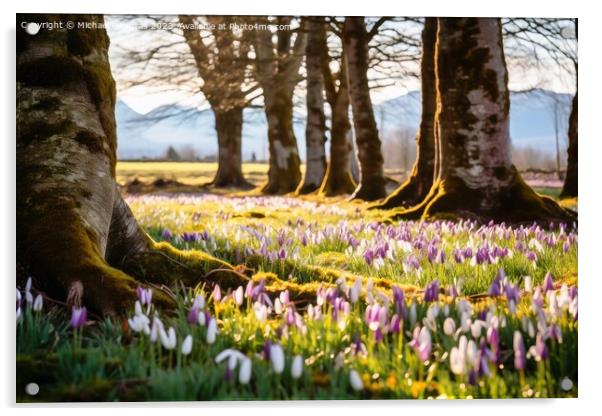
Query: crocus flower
[
  {"x": 187, "y": 345},
  {"x": 277, "y": 358},
  {"x": 216, "y": 294},
  {"x": 548, "y": 282},
  {"x": 145, "y": 296},
  {"x": 167, "y": 235},
  {"x": 431, "y": 292},
  {"x": 355, "y": 381},
  {"x": 78, "y": 317},
  {"x": 211, "y": 331},
  {"x": 449, "y": 327},
  {"x": 244, "y": 373},
  {"x": 193, "y": 316},
  {"x": 422, "y": 342},
  {"x": 520, "y": 359},
  {"x": 297, "y": 367},
  {"x": 38, "y": 303},
  {"x": 457, "y": 357},
  {"x": 139, "y": 323},
  {"x": 540, "y": 350},
  {"x": 238, "y": 295},
  {"x": 528, "y": 284},
  {"x": 168, "y": 338}
]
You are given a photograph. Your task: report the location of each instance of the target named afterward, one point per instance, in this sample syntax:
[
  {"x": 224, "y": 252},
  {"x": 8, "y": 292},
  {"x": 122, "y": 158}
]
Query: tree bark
[
  {"x": 338, "y": 179},
  {"x": 476, "y": 177},
  {"x": 228, "y": 125},
  {"x": 222, "y": 69},
  {"x": 75, "y": 235},
  {"x": 355, "y": 46},
  {"x": 570, "y": 187},
  {"x": 418, "y": 185},
  {"x": 278, "y": 74},
  {"x": 315, "y": 132}
]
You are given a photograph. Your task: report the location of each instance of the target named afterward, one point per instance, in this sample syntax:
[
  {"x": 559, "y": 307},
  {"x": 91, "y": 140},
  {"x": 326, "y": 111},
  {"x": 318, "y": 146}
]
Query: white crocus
[
  {"x": 528, "y": 284},
  {"x": 138, "y": 308},
  {"x": 38, "y": 303},
  {"x": 187, "y": 345},
  {"x": 297, "y": 367},
  {"x": 244, "y": 373},
  {"x": 238, "y": 295},
  {"x": 168, "y": 338},
  {"x": 449, "y": 327},
  {"x": 355, "y": 381},
  {"x": 211, "y": 331},
  {"x": 277, "y": 358}
]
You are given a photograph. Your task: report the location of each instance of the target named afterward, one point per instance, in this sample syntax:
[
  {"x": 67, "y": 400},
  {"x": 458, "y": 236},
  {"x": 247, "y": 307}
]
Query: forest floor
[{"x": 404, "y": 310}]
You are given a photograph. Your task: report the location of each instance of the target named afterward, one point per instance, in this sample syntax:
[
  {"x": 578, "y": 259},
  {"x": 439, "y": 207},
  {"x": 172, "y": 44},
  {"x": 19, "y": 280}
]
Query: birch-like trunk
[
  {"x": 476, "y": 173},
  {"x": 278, "y": 73},
  {"x": 315, "y": 132},
  {"x": 355, "y": 46},
  {"x": 476, "y": 177},
  {"x": 338, "y": 179},
  {"x": 421, "y": 178}
]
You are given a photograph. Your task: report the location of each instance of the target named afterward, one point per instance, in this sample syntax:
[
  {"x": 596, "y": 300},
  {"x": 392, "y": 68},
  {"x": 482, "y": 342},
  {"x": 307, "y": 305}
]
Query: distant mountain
[{"x": 532, "y": 124}]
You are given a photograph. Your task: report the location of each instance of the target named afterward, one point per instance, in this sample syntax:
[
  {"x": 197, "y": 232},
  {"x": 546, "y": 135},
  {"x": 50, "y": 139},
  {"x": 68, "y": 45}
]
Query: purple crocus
[
  {"x": 78, "y": 317},
  {"x": 145, "y": 296},
  {"x": 548, "y": 282},
  {"x": 399, "y": 302},
  {"x": 167, "y": 235},
  {"x": 431, "y": 292}
]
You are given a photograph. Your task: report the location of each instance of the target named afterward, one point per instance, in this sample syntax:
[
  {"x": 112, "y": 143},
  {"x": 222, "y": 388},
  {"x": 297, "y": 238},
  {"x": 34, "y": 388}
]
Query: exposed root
[{"x": 517, "y": 204}]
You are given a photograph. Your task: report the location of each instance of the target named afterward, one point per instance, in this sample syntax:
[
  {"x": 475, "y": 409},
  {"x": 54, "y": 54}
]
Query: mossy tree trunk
[
  {"x": 75, "y": 234},
  {"x": 222, "y": 66},
  {"x": 476, "y": 176},
  {"x": 338, "y": 179},
  {"x": 355, "y": 46},
  {"x": 277, "y": 69},
  {"x": 421, "y": 178},
  {"x": 315, "y": 131}
]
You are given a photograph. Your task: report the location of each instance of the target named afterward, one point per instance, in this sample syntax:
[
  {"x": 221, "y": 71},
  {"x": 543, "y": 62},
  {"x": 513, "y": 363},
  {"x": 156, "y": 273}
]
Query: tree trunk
[
  {"x": 418, "y": 185},
  {"x": 569, "y": 189},
  {"x": 355, "y": 46},
  {"x": 75, "y": 235},
  {"x": 338, "y": 179},
  {"x": 223, "y": 74},
  {"x": 228, "y": 125},
  {"x": 476, "y": 177},
  {"x": 315, "y": 132},
  {"x": 278, "y": 75}
]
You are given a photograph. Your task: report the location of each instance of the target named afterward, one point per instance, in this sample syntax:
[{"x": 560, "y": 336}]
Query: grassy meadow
[{"x": 401, "y": 309}]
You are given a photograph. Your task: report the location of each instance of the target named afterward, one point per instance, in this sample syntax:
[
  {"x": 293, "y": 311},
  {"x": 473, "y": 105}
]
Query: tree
[
  {"x": 193, "y": 56},
  {"x": 355, "y": 46},
  {"x": 569, "y": 189},
  {"x": 75, "y": 234},
  {"x": 222, "y": 66},
  {"x": 277, "y": 71},
  {"x": 542, "y": 40},
  {"x": 338, "y": 178},
  {"x": 476, "y": 177},
  {"x": 315, "y": 132},
  {"x": 418, "y": 185}
]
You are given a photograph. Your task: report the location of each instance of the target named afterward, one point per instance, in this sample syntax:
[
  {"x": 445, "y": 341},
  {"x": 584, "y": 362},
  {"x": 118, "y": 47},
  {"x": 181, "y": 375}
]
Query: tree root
[{"x": 517, "y": 204}]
